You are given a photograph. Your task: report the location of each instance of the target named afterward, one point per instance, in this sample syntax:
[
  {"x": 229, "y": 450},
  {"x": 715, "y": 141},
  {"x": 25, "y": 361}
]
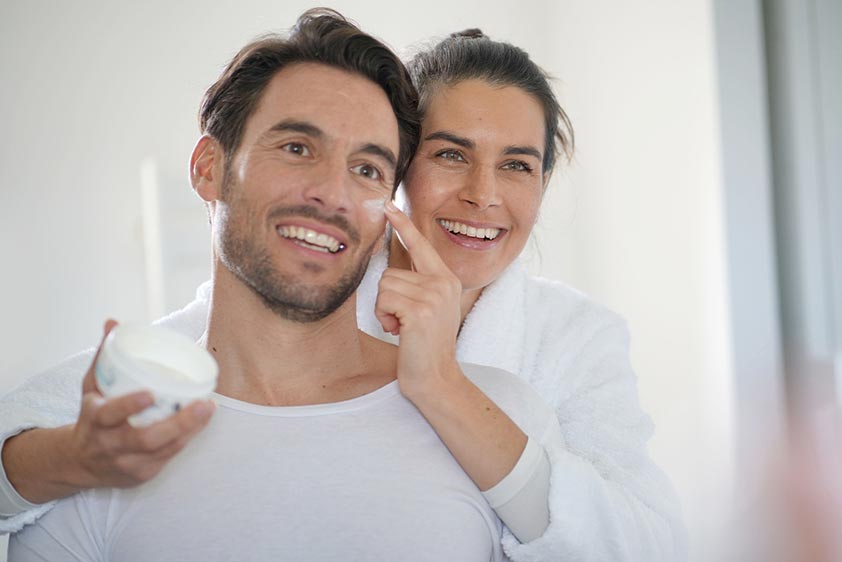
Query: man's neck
[{"x": 267, "y": 359}]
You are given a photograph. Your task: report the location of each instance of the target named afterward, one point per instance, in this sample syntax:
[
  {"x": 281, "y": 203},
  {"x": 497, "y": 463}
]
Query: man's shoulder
[{"x": 517, "y": 398}]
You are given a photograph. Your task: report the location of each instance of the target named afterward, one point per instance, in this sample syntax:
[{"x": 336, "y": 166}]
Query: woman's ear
[{"x": 206, "y": 168}]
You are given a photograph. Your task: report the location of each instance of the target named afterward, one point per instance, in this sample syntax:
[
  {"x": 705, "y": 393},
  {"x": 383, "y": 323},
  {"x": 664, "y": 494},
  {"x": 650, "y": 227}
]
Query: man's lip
[{"x": 316, "y": 226}]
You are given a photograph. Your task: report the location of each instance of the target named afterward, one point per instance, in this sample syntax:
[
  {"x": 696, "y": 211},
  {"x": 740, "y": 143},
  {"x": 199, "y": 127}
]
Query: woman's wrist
[{"x": 447, "y": 382}]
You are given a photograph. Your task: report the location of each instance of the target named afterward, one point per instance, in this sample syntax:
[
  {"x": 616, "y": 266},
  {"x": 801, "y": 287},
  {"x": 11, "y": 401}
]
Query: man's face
[{"x": 292, "y": 220}]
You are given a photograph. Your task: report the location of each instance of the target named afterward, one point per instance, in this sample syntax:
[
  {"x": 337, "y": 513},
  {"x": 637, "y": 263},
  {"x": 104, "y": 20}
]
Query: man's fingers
[
  {"x": 185, "y": 423},
  {"x": 116, "y": 411},
  {"x": 424, "y": 257}
]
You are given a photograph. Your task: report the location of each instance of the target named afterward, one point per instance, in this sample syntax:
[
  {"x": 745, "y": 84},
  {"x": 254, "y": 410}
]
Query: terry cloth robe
[{"x": 608, "y": 500}]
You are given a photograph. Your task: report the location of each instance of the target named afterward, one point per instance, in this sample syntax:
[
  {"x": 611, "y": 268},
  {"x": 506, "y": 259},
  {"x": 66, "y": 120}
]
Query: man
[{"x": 313, "y": 453}]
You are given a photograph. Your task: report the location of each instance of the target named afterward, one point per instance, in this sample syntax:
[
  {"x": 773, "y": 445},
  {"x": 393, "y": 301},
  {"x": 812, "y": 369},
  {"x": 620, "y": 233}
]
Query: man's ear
[{"x": 207, "y": 168}]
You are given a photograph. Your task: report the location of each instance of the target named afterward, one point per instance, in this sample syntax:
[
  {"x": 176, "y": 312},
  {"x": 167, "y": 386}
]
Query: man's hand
[
  {"x": 423, "y": 306},
  {"x": 101, "y": 450},
  {"x": 110, "y": 452}
]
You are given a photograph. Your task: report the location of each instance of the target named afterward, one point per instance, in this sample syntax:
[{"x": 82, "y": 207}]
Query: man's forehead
[{"x": 340, "y": 103}]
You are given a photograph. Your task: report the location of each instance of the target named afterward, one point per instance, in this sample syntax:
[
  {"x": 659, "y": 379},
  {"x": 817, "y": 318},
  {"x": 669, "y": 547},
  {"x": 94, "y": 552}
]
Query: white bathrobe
[{"x": 608, "y": 500}]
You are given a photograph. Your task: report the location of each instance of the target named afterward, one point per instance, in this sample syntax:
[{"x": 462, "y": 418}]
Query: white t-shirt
[{"x": 362, "y": 479}]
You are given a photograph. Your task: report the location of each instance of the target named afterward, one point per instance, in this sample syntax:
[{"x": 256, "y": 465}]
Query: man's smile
[{"x": 310, "y": 238}]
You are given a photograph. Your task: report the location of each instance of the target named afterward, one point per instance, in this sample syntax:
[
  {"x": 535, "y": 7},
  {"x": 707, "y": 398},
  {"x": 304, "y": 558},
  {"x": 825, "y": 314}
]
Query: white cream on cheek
[{"x": 375, "y": 208}]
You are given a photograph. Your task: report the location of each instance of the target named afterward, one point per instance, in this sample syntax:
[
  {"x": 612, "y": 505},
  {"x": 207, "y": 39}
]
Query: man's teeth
[
  {"x": 311, "y": 239},
  {"x": 459, "y": 228}
]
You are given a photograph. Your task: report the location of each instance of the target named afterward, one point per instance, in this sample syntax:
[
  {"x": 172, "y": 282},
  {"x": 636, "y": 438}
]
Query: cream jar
[{"x": 170, "y": 365}]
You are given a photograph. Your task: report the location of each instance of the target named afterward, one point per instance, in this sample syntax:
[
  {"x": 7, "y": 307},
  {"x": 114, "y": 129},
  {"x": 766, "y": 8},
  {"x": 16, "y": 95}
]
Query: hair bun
[{"x": 472, "y": 33}]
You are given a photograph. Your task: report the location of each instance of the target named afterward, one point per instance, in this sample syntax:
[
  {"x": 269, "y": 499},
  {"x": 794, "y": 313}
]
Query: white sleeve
[
  {"x": 521, "y": 498},
  {"x": 608, "y": 500},
  {"x": 52, "y": 398},
  {"x": 11, "y": 503}
]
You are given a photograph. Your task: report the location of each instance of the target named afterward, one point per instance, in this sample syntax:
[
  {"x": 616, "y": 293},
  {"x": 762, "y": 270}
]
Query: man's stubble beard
[{"x": 285, "y": 295}]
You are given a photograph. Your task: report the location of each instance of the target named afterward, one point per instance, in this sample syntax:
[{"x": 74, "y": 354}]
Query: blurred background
[{"x": 704, "y": 205}]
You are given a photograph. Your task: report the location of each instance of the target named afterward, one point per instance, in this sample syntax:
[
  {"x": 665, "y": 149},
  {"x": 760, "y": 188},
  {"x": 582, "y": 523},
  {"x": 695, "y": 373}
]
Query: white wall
[{"x": 92, "y": 88}]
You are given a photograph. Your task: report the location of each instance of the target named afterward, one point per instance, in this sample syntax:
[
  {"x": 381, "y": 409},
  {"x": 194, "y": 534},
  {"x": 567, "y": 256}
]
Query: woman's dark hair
[
  {"x": 470, "y": 55},
  {"x": 320, "y": 36}
]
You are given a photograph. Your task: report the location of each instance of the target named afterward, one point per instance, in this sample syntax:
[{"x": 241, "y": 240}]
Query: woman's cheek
[{"x": 428, "y": 189}]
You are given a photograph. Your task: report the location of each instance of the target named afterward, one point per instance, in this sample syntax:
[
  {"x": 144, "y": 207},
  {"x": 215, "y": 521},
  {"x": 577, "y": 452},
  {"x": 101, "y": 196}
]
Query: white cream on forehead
[{"x": 376, "y": 208}]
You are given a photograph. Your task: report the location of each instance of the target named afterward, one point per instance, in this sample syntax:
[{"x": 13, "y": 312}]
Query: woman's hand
[{"x": 423, "y": 306}]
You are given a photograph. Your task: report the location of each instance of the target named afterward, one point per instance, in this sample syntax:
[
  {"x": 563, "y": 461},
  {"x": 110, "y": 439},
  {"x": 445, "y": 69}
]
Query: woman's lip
[
  {"x": 475, "y": 224},
  {"x": 473, "y": 243}
]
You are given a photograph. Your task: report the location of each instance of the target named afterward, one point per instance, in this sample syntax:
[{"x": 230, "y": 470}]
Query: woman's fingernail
[{"x": 390, "y": 206}]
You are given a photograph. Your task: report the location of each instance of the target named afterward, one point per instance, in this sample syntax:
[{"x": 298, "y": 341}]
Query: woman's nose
[{"x": 480, "y": 188}]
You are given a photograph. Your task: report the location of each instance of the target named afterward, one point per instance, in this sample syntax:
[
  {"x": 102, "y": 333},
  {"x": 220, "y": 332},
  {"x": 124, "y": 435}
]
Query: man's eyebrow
[
  {"x": 381, "y": 151},
  {"x": 297, "y": 127},
  {"x": 450, "y": 137},
  {"x": 529, "y": 150}
]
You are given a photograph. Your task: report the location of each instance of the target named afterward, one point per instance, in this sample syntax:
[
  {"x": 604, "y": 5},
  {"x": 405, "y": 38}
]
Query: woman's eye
[
  {"x": 367, "y": 171},
  {"x": 517, "y": 166},
  {"x": 451, "y": 154},
  {"x": 296, "y": 148}
]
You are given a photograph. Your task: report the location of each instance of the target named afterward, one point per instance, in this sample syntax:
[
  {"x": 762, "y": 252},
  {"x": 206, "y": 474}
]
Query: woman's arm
[{"x": 423, "y": 306}]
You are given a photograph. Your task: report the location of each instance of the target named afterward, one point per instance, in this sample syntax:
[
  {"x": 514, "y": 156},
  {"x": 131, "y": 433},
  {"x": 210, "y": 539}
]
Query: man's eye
[
  {"x": 451, "y": 154},
  {"x": 517, "y": 166},
  {"x": 367, "y": 171},
  {"x": 296, "y": 148}
]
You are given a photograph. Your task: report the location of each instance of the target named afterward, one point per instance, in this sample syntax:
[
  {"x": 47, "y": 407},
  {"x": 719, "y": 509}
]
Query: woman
[{"x": 491, "y": 130}]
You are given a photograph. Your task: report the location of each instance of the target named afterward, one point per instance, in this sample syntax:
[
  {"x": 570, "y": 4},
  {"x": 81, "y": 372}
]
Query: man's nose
[
  {"x": 481, "y": 188},
  {"x": 329, "y": 187}
]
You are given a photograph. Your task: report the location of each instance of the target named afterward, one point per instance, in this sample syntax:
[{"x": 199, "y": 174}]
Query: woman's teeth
[
  {"x": 311, "y": 239},
  {"x": 459, "y": 228}
]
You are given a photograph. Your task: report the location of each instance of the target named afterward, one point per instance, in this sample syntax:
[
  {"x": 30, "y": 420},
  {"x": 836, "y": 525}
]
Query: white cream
[{"x": 376, "y": 208}]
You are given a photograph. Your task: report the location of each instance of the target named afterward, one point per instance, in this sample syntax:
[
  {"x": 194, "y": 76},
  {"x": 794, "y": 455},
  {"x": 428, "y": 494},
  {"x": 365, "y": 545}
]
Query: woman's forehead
[{"x": 479, "y": 107}]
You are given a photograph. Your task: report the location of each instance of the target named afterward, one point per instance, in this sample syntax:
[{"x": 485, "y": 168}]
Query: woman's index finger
[{"x": 424, "y": 257}]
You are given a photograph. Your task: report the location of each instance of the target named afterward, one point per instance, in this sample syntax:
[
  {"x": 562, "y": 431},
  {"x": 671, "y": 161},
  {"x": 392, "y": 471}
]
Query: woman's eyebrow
[
  {"x": 526, "y": 150},
  {"x": 450, "y": 137}
]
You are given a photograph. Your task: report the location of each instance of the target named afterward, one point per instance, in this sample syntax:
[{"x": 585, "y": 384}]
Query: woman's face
[{"x": 475, "y": 185}]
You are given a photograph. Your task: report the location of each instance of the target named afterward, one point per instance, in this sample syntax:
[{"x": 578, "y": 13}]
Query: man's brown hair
[{"x": 320, "y": 36}]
